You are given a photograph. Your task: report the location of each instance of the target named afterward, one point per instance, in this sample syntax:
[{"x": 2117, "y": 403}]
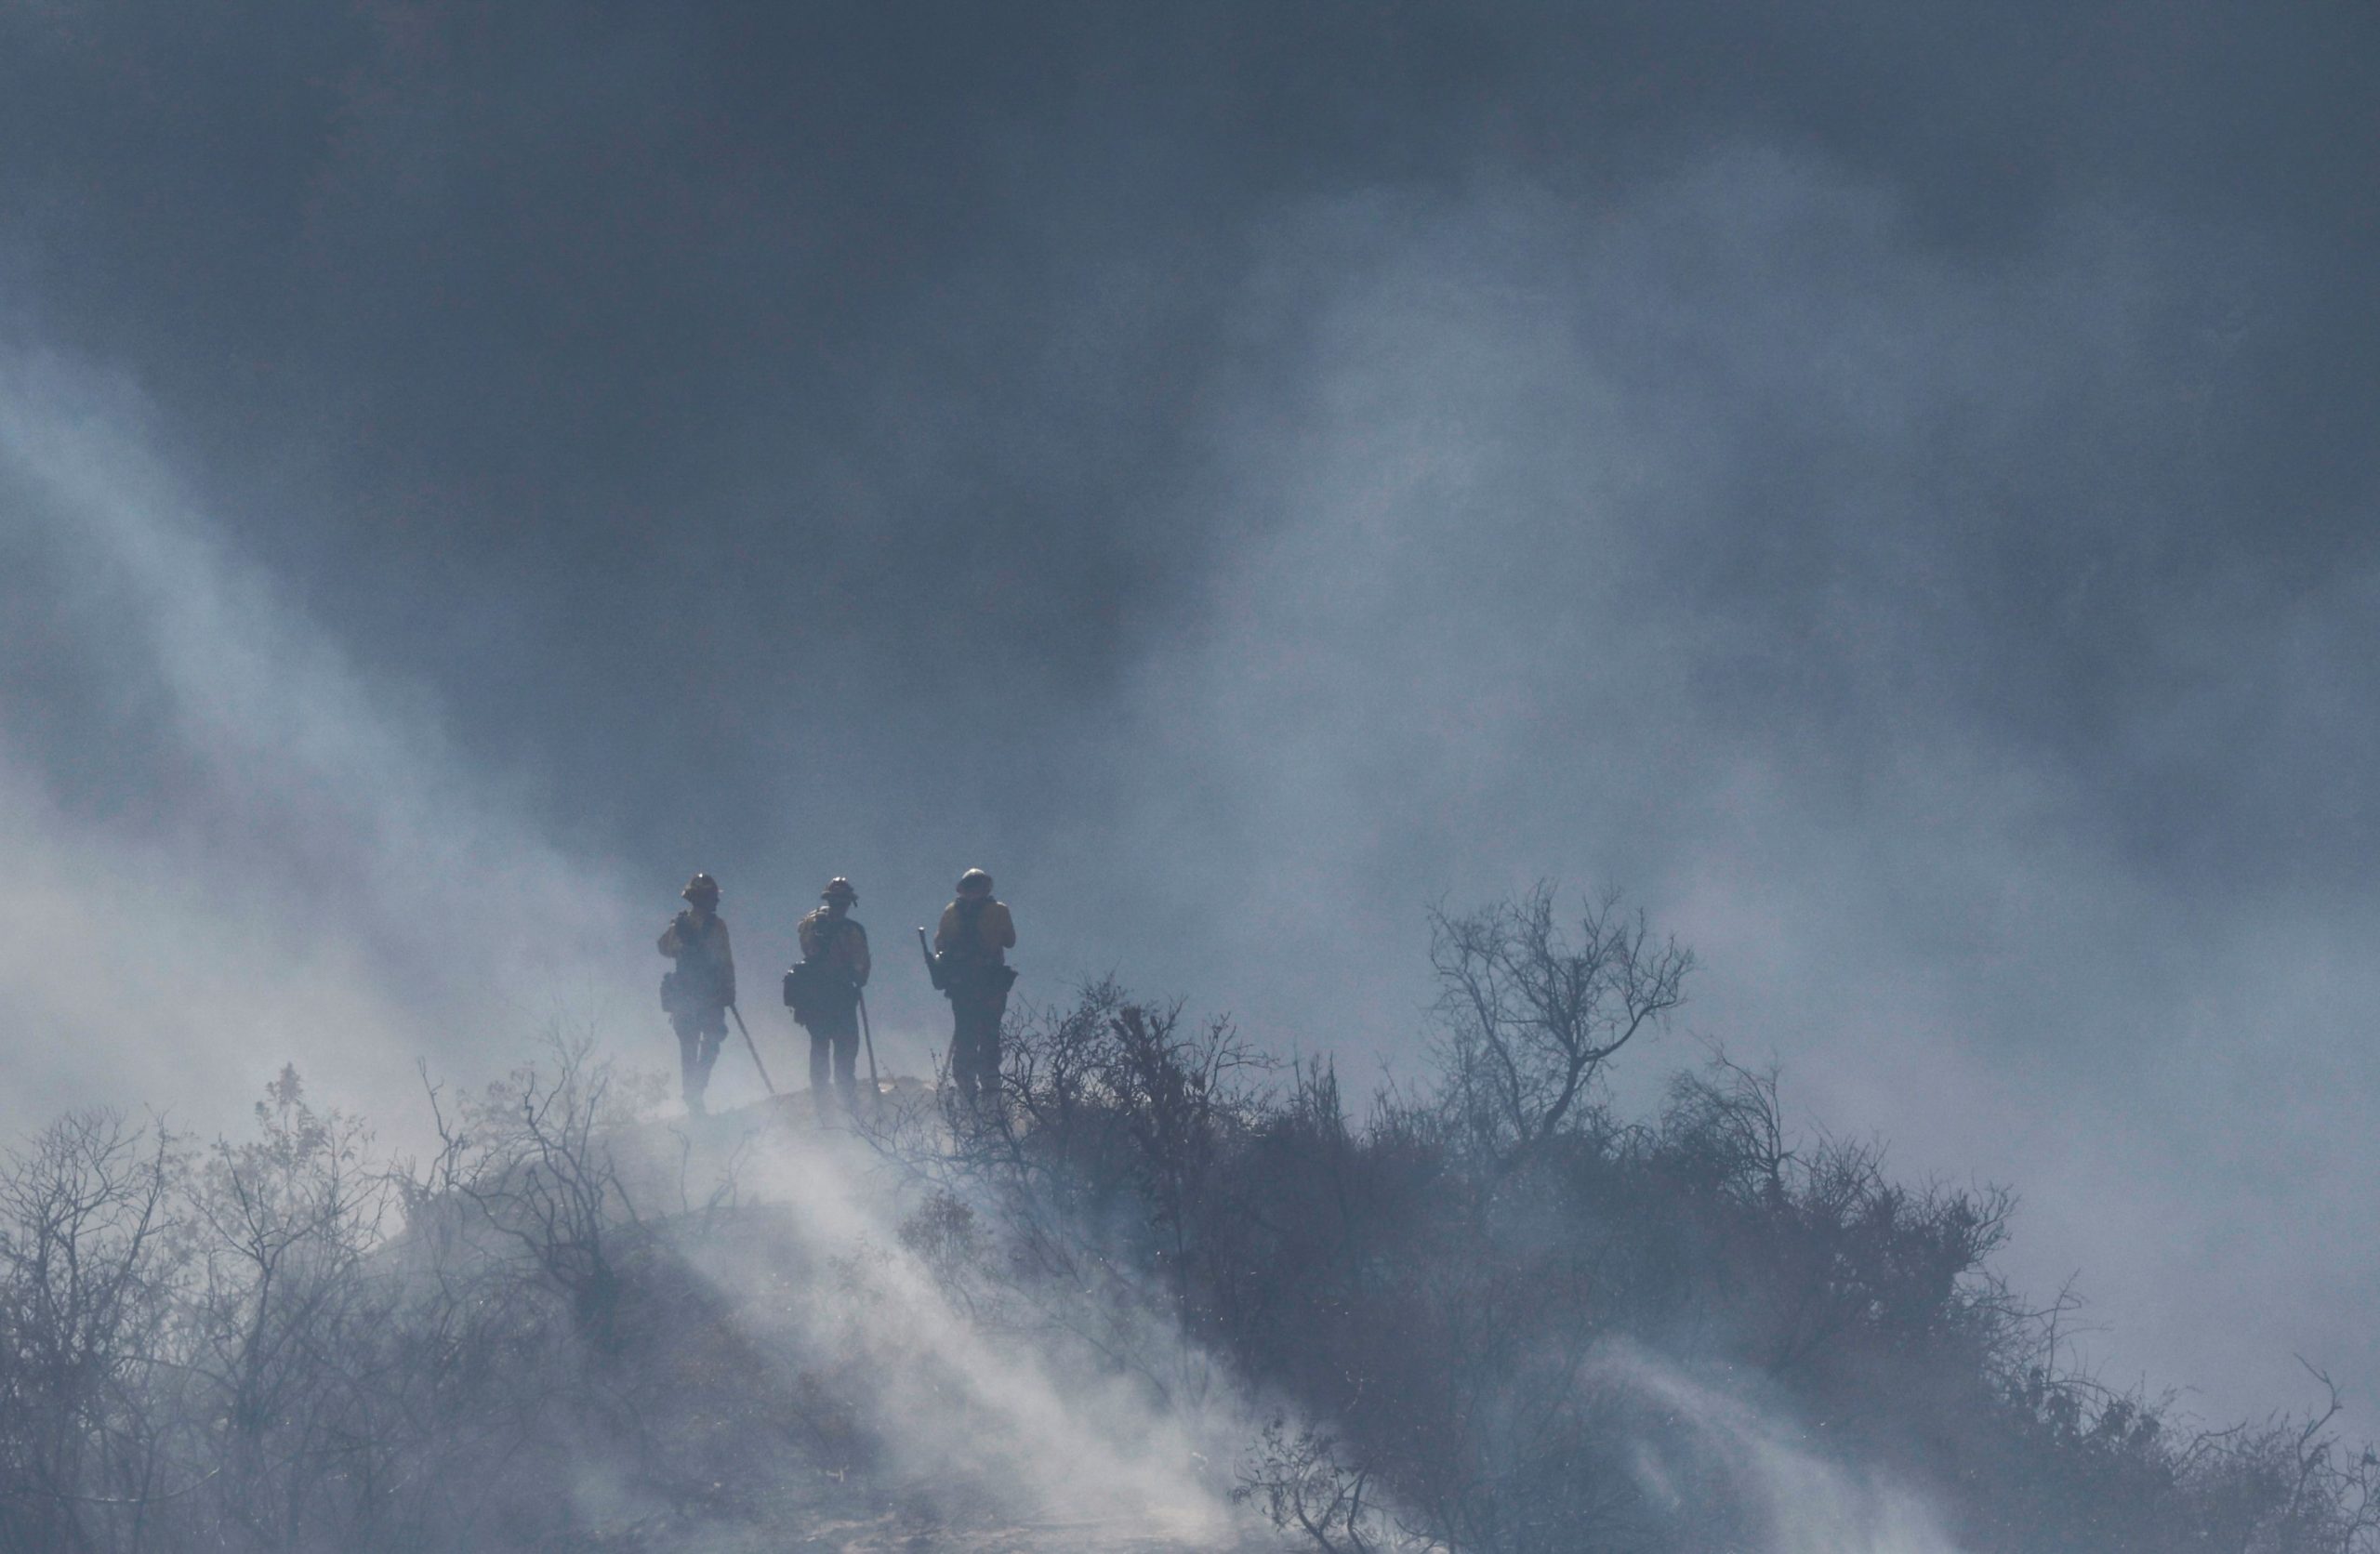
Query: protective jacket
[
  {"x": 973, "y": 941},
  {"x": 976, "y": 934},
  {"x": 839, "y": 942},
  {"x": 705, "y": 973}
]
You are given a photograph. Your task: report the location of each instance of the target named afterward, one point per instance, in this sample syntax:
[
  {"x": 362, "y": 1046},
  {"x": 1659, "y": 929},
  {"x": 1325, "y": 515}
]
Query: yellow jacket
[
  {"x": 995, "y": 931},
  {"x": 846, "y": 948},
  {"x": 706, "y": 961}
]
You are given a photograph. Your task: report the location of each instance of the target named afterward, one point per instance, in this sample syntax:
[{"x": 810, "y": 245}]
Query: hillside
[{"x": 1172, "y": 1294}]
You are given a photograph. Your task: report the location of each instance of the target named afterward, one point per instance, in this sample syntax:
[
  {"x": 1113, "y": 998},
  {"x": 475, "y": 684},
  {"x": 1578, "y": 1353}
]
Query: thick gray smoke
[
  {"x": 1068, "y": 1439},
  {"x": 250, "y": 852},
  {"x": 1890, "y": 486},
  {"x": 1655, "y": 543},
  {"x": 1088, "y": 1431}
]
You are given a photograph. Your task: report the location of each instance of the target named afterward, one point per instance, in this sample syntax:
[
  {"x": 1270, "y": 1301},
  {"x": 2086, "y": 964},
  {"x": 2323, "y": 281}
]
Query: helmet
[
  {"x": 838, "y": 889},
  {"x": 974, "y": 882},
  {"x": 700, "y": 885}
]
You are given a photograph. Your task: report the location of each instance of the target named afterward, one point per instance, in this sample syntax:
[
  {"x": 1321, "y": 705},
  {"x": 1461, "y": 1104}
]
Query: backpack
[{"x": 816, "y": 987}]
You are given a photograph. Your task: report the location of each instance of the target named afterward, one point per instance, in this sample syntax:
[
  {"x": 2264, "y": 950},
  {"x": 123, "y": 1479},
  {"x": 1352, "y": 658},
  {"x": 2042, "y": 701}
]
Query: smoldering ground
[
  {"x": 945, "y": 1416},
  {"x": 1886, "y": 485},
  {"x": 574, "y": 1326},
  {"x": 1104, "y": 1427},
  {"x": 1157, "y": 1301}
]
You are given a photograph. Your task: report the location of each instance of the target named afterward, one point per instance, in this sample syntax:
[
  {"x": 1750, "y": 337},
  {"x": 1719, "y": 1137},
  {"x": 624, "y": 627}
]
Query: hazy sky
[{"x": 1889, "y": 484}]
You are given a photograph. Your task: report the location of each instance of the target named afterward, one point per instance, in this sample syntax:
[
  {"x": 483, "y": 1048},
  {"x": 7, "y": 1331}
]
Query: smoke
[
  {"x": 1538, "y": 565},
  {"x": 1891, "y": 494},
  {"x": 229, "y": 848},
  {"x": 1074, "y": 1428},
  {"x": 1068, "y": 1422},
  {"x": 1869, "y": 613},
  {"x": 1800, "y": 1500}
]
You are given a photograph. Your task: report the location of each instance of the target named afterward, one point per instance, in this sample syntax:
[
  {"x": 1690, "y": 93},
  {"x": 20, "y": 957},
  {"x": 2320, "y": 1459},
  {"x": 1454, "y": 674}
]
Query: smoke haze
[{"x": 1890, "y": 486}]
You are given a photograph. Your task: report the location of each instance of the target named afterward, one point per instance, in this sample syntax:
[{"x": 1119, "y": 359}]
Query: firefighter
[
  {"x": 701, "y": 989},
  {"x": 825, "y": 989},
  {"x": 971, "y": 947}
]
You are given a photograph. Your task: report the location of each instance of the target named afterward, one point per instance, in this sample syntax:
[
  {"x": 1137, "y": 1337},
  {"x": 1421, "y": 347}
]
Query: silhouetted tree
[{"x": 1531, "y": 1014}]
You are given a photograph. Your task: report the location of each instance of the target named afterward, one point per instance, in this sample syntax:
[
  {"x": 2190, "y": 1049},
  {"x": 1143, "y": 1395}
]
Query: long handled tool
[
  {"x": 748, "y": 1046},
  {"x": 876, "y": 1092}
]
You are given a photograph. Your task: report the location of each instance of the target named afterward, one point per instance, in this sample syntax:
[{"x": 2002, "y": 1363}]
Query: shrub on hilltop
[
  {"x": 1489, "y": 1313},
  {"x": 1461, "y": 1291}
]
